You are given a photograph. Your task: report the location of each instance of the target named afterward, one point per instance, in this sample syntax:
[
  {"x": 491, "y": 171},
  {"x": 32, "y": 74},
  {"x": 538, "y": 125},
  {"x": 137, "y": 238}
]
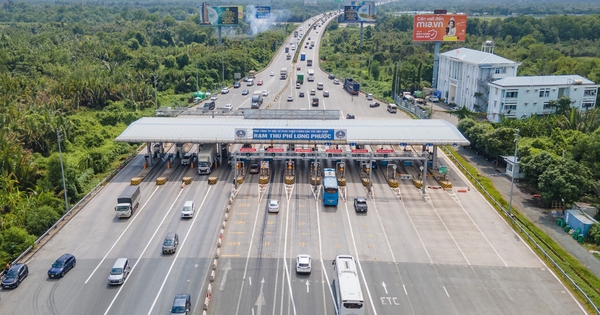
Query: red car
[
  {"x": 260, "y": 82},
  {"x": 298, "y": 68}
]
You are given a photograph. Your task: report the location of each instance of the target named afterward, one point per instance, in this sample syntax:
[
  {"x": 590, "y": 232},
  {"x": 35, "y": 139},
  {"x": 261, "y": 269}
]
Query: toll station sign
[{"x": 298, "y": 134}]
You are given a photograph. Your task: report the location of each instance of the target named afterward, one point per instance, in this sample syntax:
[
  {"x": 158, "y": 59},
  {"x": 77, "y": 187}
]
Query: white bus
[
  {"x": 348, "y": 294},
  {"x": 311, "y": 75}
]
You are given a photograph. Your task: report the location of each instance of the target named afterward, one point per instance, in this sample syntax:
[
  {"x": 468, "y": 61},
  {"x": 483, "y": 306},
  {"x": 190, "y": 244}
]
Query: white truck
[
  {"x": 311, "y": 75},
  {"x": 128, "y": 201},
  {"x": 283, "y": 73},
  {"x": 206, "y": 159}
]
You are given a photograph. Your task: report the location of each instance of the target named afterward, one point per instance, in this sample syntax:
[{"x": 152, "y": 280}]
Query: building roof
[
  {"x": 477, "y": 57},
  {"x": 548, "y": 80},
  {"x": 360, "y": 131}
]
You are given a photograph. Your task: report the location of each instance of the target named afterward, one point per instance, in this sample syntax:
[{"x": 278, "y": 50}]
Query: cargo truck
[
  {"x": 206, "y": 159},
  {"x": 312, "y": 43},
  {"x": 302, "y": 56},
  {"x": 283, "y": 73},
  {"x": 300, "y": 78},
  {"x": 311, "y": 75},
  {"x": 128, "y": 201},
  {"x": 351, "y": 86}
]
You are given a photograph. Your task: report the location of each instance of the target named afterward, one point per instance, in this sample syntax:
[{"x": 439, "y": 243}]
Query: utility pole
[
  {"x": 512, "y": 177},
  {"x": 62, "y": 170},
  {"x": 155, "y": 97}
]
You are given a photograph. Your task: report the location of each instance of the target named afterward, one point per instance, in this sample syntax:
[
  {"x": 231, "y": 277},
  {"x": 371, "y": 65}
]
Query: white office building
[
  {"x": 522, "y": 97},
  {"x": 464, "y": 74}
]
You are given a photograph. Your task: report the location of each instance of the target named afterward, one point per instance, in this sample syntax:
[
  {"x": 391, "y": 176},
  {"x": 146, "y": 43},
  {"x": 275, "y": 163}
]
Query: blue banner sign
[
  {"x": 263, "y": 12},
  {"x": 299, "y": 134}
]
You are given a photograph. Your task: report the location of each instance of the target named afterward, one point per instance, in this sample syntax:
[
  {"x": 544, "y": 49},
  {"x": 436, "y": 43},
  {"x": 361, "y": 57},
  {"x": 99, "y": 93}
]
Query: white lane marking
[
  {"x": 142, "y": 254},
  {"x": 307, "y": 286},
  {"x": 358, "y": 259},
  {"x": 285, "y": 265},
  {"x": 179, "y": 250},
  {"x": 384, "y": 287},
  {"x": 120, "y": 236},
  {"x": 450, "y": 233},
  {"x": 225, "y": 269},
  {"x": 237, "y": 310},
  {"x": 416, "y": 231},
  {"x": 250, "y": 280},
  {"x": 448, "y": 295},
  {"x": 322, "y": 264},
  {"x": 405, "y": 292}
]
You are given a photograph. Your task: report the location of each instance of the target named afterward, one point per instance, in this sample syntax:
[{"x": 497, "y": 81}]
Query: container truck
[
  {"x": 128, "y": 201},
  {"x": 206, "y": 159},
  {"x": 300, "y": 78},
  {"x": 351, "y": 86},
  {"x": 283, "y": 73},
  {"x": 302, "y": 56}
]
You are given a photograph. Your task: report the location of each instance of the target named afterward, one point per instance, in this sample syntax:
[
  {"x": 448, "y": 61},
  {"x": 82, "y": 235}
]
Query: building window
[
  {"x": 500, "y": 70},
  {"x": 496, "y": 91},
  {"x": 587, "y": 105},
  {"x": 589, "y": 92},
  {"x": 510, "y": 107},
  {"x": 512, "y": 94},
  {"x": 545, "y": 92},
  {"x": 495, "y": 103},
  {"x": 547, "y": 105}
]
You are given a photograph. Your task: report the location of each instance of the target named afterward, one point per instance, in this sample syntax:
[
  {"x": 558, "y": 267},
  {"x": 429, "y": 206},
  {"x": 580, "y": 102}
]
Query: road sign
[
  {"x": 275, "y": 149},
  {"x": 247, "y": 149},
  {"x": 304, "y": 150},
  {"x": 403, "y": 144},
  {"x": 385, "y": 151},
  {"x": 334, "y": 150},
  {"x": 443, "y": 169},
  {"x": 360, "y": 151}
]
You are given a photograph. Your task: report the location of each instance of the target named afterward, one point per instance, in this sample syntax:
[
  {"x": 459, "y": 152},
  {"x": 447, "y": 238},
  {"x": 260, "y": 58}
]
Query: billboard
[
  {"x": 218, "y": 16},
  {"x": 262, "y": 12},
  {"x": 440, "y": 28},
  {"x": 360, "y": 13},
  {"x": 291, "y": 134}
]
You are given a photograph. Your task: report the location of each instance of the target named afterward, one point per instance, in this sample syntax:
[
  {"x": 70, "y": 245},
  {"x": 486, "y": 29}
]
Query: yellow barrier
[
  {"x": 161, "y": 181},
  {"x": 136, "y": 181},
  {"x": 187, "y": 180},
  {"x": 342, "y": 181},
  {"x": 290, "y": 180},
  {"x": 393, "y": 183},
  {"x": 212, "y": 180},
  {"x": 366, "y": 182},
  {"x": 240, "y": 180},
  {"x": 263, "y": 180},
  {"x": 417, "y": 183}
]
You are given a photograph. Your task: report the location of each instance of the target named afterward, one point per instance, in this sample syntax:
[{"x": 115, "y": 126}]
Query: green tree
[
  {"x": 534, "y": 166},
  {"x": 39, "y": 219},
  {"x": 566, "y": 180},
  {"x": 14, "y": 241}
]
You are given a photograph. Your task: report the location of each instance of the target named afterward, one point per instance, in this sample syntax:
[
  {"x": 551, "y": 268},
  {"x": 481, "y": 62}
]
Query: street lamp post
[
  {"x": 62, "y": 170},
  {"x": 512, "y": 180}
]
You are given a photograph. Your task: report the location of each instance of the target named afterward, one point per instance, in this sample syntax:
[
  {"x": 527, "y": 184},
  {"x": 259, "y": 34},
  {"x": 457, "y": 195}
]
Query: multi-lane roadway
[{"x": 446, "y": 252}]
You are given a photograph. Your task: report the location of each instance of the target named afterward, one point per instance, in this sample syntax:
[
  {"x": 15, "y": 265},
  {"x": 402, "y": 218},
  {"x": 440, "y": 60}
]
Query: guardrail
[{"x": 521, "y": 226}]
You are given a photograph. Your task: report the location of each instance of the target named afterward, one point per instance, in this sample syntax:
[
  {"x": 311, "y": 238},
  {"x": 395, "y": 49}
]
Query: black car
[
  {"x": 61, "y": 266},
  {"x": 14, "y": 276},
  {"x": 301, "y": 94},
  {"x": 181, "y": 304},
  {"x": 350, "y": 116},
  {"x": 331, "y": 77},
  {"x": 254, "y": 168},
  {"x": 237, "y": 84},
  {"x": 374, "y": 104},
  {"x": 210, "y": 105}
]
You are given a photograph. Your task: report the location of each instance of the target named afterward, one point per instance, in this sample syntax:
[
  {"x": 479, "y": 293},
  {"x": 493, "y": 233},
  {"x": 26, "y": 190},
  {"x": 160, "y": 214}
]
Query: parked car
[
  {"x": 273, "y": 205},
  {"x": 360, "y": 204},
  {"x": 374, "y": 104},
  {"x": 434, "y": 99},
  {"x": 181, "y": 304},
  {"x": 303, "y": 263},
  {"x": 14, "y": 276},
  {"x": 350, "y": 116},
  {"x": 61, "y": 266},
  {"x": 245, "y": 92}
]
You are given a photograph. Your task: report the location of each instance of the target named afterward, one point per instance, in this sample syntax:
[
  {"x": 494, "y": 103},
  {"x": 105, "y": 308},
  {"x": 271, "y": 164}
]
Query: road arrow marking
[
  {"x": 260, "y": 302},
  {"x": 384, "y": 287},
  {"x": 225, "y": 269},
  {"x": 307, "y": 285}
]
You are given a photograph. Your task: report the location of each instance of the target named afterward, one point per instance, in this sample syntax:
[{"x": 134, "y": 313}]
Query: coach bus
[
  {"x": 348, "y": 294},
  {"x": 330, "y": 187}
]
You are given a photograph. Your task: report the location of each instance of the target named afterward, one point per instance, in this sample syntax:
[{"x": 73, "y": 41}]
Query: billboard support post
[
  {"x": 436, "y": 61},
  {"x": 361, "y": 33}
]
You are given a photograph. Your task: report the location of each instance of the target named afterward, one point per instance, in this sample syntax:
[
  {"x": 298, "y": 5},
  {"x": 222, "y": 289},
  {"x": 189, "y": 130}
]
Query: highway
[{"x": 447, "y": 252}]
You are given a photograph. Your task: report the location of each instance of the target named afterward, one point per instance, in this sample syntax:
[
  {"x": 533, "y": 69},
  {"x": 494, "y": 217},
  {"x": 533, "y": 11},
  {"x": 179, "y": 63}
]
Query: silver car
[
  {"x": 273, "y": 205},
  {"x": 303, "y": 263}
]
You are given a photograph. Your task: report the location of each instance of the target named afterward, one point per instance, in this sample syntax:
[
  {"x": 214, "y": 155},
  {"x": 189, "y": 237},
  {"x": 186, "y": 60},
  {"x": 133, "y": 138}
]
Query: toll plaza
[{"x": 405, "y": 147}]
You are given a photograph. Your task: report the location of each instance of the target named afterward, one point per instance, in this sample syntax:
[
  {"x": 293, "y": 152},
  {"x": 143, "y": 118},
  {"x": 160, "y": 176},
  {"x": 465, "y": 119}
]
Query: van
[
  {"x": 119, "y": 272},
  {"x": 187, "y": 158},
  {"x": 392, "y": 108},
  {"x": 170, "y": 243},
  {"x": 188, "y": 209},
  {"x": 250, "y": 82},
  {"x": 369, "y": 97},
  {"x": 257, "y": 100}
]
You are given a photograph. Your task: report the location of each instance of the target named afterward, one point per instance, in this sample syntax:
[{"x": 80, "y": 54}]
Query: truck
[
  {"x": 309, "y": 62},
  {"x": 311, "y": 75},
  {"x": 257, "y": 100},
  {"x": 302, "y": 56},
  {"x": 300, "y": 78},
  {"x": 128, "y": 201},
  {"x": 206, "y": 159},
  {"x": 283, "y": 73},
  {"x": 251, "y": 74},
  {"x": 351, "y": 86},
  {"x": 312, "y": 43}
]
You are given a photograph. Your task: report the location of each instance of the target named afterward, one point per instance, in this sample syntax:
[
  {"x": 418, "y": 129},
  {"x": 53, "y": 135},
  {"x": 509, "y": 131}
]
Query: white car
[
  {"x": 265, "y": 93},
  {"x": 325, "y": 93},
  {"x": 313, "y": 92},
  {"x": 290, "y": 98},
  {"x": 336, "y": 81},
  {"x": 303, "y": 263},
  {"x": 214, "y": 97},
  {"x": 228, "y": 107},
  {"x": 224, "y": 90},
  {"x": 434, "y": 99},
  {"x": 272, "y": 73},
  {"x": 273, "y": 206}
]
